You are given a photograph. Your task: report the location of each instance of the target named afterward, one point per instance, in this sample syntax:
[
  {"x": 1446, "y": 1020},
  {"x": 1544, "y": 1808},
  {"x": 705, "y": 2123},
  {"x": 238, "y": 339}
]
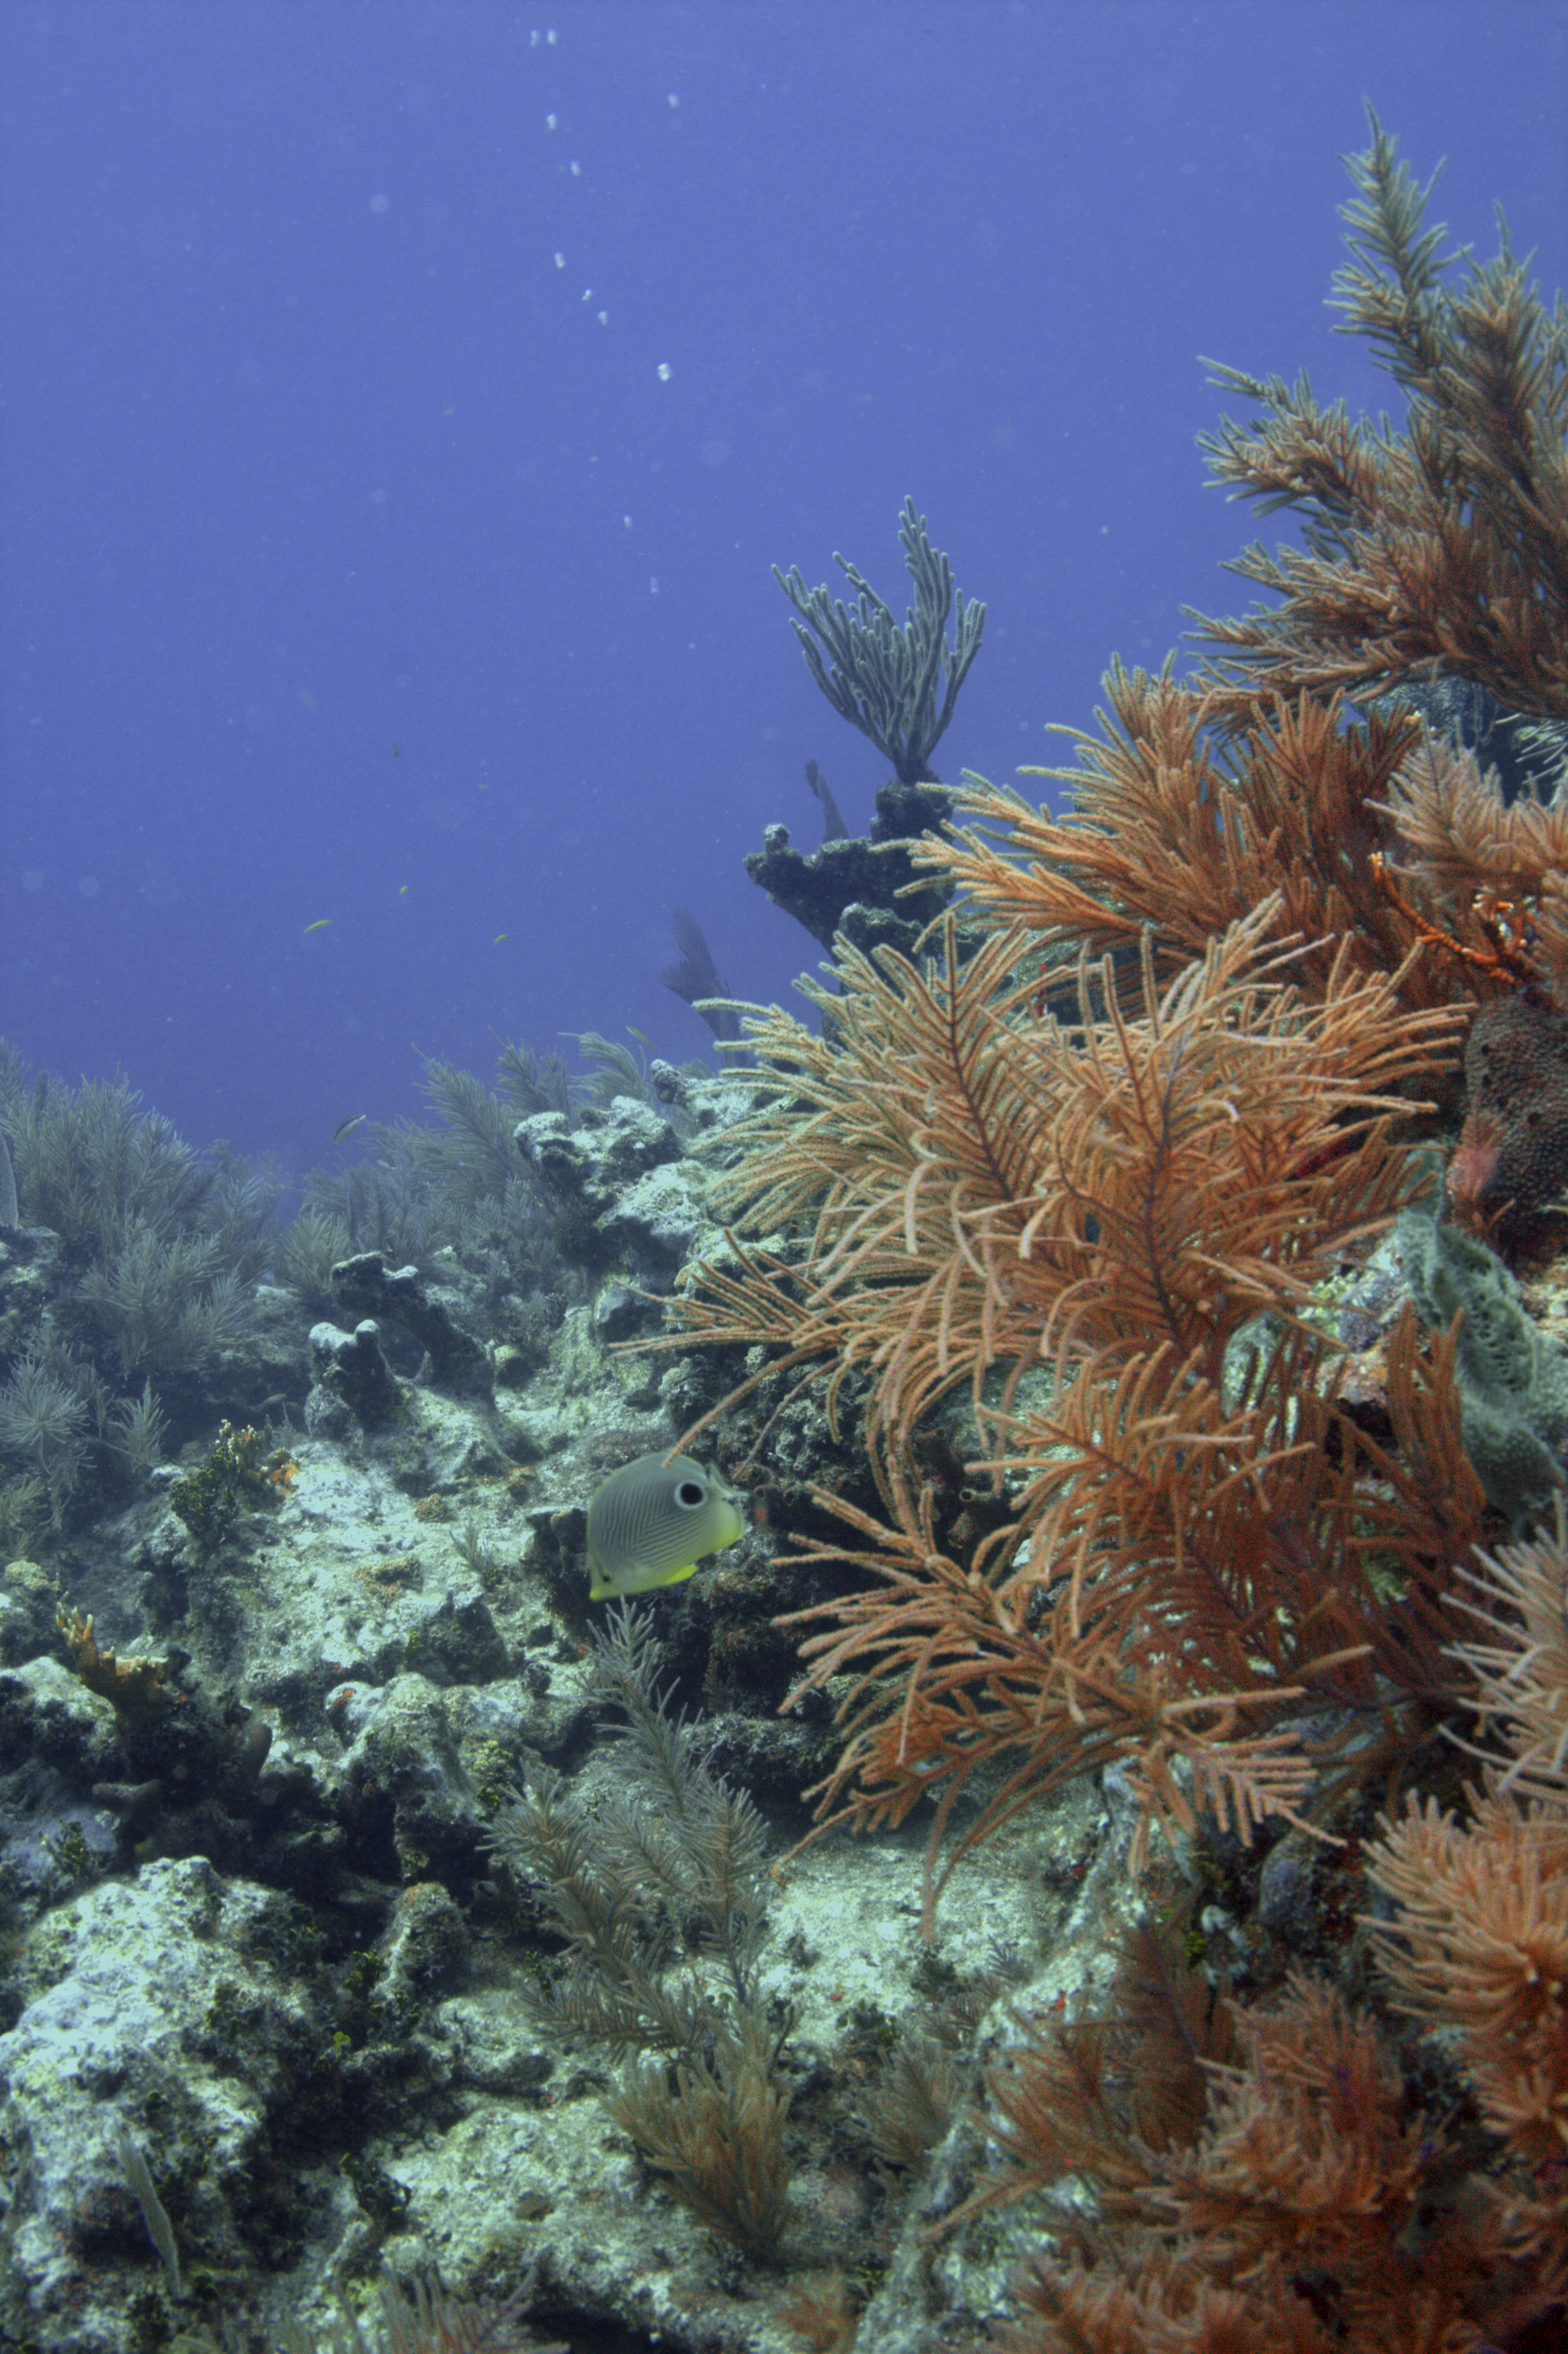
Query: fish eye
[{"x": 690, "y": 1494}]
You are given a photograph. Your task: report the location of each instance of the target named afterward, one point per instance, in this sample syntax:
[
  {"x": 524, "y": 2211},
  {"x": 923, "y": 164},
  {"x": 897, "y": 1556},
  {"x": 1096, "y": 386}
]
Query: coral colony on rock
[{"x": 1121, "y": 1346}]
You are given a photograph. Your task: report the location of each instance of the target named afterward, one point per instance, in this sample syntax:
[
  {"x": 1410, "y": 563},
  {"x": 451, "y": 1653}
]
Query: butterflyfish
[{"x": 652, "y": 1523}]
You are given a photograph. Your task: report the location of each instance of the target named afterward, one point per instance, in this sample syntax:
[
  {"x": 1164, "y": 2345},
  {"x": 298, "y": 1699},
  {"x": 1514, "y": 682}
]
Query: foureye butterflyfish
[{"x": 652, "y": 1523}]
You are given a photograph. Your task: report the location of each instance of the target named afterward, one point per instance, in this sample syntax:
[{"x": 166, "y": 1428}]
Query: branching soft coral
[
  {"x": 1443, "y": 547},
  {"x": 1371, "y": 840},
  {"x": 1479, "y": 1943},
  {"x": 1446, "y": 545},
  {"x": 1199, "y": 1538},
  {"x": 1176, "y": 834},
  {"x": 1260, "y": 2180},
  {"x": 1491, "y": 876},
  {"x": 988, "y": 1184}
]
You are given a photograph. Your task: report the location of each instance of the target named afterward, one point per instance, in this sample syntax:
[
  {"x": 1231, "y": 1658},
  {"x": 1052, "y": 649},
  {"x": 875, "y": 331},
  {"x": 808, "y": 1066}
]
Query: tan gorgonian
[
  {"x": 1445, "y": 545},
  {"x": 1197, "y": 1537},
  {"x": 1479, "y": 1943},
  {"x": 1173, "y": 831},
  {"x": 1263, "y": 2181},
  {"x": 1371, "y": 839}
]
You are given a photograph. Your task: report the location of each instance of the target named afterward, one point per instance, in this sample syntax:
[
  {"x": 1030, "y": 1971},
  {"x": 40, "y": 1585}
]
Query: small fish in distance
[
  {"x": 650, "y": 1522},
  {"x": 345, "y": 1127}
]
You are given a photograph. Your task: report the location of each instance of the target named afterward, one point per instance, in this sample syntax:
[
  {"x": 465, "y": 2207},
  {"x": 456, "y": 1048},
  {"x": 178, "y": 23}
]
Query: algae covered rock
[
  {"x": 366, "y": 1287},
  {"x": 169, "y": 2006},
  {"x": 587, "y": 1166},
  {"x": 351, "y": 1380}
]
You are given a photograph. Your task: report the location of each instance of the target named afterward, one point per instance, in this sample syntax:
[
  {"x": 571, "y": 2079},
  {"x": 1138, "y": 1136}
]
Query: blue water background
[{"x": 404, "y": 405}]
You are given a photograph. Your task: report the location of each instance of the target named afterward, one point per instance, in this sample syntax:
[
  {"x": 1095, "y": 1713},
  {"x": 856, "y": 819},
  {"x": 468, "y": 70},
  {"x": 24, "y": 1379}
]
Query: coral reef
[
  {"x": 127, "y": 1296},
  {"x": 1476, "y": 1946},
  {"x": 211, "y": 1499},
  {"x": 44, "y": 1420},
  {"x": 865, "y": 887},
  {"x": 1222, "y": 2142},
  {"x": 318, "y": 1670},
  {"x": 1194, "y": 1530},
  {"x": 350, "y": 1377},
  {"x": 366, "y": 1287},
  {"x": 884, "y": 680},
  {"x": 1159, "y": 1484},
  {"x": 680, "y": 1847},
  {"x": 1029, "y": 1222}
]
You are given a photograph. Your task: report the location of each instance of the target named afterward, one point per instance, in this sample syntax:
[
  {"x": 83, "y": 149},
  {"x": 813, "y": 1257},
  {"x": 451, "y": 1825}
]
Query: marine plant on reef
[
  {"x": 1080, "y": 1196},
  {"x": 426, "y": 1190},
  {"x": 1108, "y": 1235},
  {"x": 46, "y": 1422},
  {"x": 1477, "y": 1947},
  {"x": 1256, "y": 2172},
  {"x": 166, "y": 1301},
  {"x": 1093, "y": 1175},
  {"x": 662, "y": 1898},
  {"x": 235, "y": 1474},
  {"x": 154, "y": 1280},
  {"x": 883, "y": 676},
  {"x": 1441, "y": 546},
  {"x": 464, "y": 1187},
  {"x": 1260, "y": 2182},
  {"x": 429, "y": 2321},
  {"x": 1373, "y": 836},
  {"x": 94, "y": 1167},
  {"x": 136, "y": 1430},
  {"x": 1435, "y": 556},
  {"x": 310, "y": 1249}
]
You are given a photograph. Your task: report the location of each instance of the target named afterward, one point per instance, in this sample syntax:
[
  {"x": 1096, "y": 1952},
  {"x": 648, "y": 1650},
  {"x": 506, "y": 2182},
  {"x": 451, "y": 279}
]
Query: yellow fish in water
[{"x": 652, "y": 1523}]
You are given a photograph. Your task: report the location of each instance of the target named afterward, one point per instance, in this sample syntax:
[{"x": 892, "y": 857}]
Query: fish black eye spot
[{"x": 689, "y": 1495}]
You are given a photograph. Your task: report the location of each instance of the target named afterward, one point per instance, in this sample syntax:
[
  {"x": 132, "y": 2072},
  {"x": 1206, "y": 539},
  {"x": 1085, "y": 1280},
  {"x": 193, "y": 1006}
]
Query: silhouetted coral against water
[
  {"x": 884, "y": 678},
  {"x": 1440, "y": 546},
  {"x": 884, "y": 681}
]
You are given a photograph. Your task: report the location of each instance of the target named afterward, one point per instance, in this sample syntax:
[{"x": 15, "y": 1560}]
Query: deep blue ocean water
[{"x": 405, "y": 403}]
